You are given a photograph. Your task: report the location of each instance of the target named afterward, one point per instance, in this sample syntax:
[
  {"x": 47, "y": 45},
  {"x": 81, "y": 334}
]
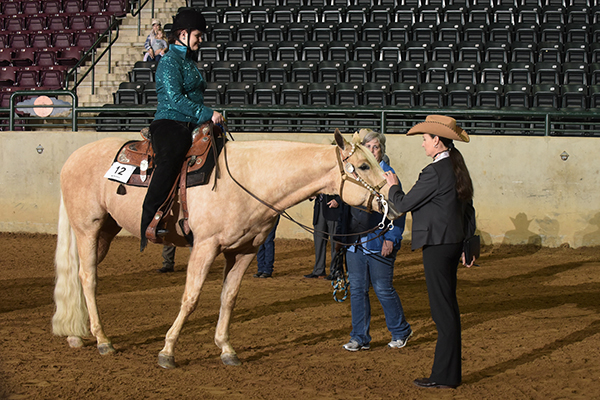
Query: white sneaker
[
  {"x": 353, "y": 345},
  {"x": 398, "y": 344}
]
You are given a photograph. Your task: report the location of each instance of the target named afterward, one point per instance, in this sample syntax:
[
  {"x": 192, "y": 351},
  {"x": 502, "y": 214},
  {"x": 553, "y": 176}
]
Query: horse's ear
[
  {"x": 339, "y": 139},
  {"x": 356, "y": 138}
]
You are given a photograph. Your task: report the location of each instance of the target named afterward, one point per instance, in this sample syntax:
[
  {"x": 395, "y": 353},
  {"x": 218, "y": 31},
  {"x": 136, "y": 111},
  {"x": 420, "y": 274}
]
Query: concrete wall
[{"x": 524, "y": 191}]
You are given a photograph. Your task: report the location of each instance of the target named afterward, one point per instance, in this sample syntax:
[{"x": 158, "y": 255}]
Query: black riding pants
[
  {"x": 171, "y": 141},
  {"x": 441, "y": 264}
]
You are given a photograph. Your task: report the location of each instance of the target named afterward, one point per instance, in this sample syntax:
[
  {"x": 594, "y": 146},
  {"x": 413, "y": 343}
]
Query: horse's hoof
[
  {"x": 75, "y": 342},
  {"x": 106, "y": 348},
  {"x": 167, "y": 362},
  {"x": 230, "y": 359}
]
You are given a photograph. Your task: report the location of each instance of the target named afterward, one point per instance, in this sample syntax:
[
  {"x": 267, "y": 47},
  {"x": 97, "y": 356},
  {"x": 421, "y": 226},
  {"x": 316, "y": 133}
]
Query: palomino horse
[{"x": 225, "y": 220}]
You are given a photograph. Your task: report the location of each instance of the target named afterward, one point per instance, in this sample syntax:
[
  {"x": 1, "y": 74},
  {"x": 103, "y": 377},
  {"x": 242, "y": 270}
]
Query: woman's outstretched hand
[{"x": 391, "y": 178}]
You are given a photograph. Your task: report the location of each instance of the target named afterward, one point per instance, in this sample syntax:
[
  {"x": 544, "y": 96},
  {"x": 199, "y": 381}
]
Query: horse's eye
[{"x": 364, "y": 167}]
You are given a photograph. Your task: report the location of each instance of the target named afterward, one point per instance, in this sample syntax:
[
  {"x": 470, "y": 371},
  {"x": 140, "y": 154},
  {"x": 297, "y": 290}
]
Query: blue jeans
[
  {"x": 365, "y": 270},
  {"x": 266, "y": 253}
]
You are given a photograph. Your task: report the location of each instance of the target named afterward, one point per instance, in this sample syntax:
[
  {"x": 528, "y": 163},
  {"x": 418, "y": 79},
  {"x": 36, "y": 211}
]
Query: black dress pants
[
  {"x": 171, "y": 141},
  {"x": 441, "y": 263}
]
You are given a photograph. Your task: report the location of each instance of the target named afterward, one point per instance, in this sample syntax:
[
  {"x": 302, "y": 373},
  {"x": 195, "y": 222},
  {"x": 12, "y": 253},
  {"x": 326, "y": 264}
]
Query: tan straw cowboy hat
[{"x": 440, "y": 125}]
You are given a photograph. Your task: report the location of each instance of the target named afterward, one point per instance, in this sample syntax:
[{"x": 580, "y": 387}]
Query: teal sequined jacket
[{"x": 180, "y": 88}]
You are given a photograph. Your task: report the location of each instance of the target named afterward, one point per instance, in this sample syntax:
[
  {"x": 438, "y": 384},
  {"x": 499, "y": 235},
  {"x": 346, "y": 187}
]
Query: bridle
[{"x": 348, "y": 173}]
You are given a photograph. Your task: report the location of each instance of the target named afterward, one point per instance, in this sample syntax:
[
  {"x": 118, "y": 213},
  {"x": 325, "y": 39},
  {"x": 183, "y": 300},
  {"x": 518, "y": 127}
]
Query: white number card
[{"x": 120, "y": 172}]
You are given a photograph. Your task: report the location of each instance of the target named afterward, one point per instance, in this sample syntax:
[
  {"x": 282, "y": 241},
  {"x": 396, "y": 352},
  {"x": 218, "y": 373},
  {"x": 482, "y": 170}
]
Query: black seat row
[
  {"x": 404, "y": 95},
  {"x": 391, "y": 3}
]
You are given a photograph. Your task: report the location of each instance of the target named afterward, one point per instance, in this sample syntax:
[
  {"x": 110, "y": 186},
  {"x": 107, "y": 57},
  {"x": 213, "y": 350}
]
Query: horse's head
[{"x": 361, "y": 170}]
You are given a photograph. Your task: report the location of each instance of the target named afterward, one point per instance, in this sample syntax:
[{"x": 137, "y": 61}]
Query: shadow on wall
[
  {"x": 549, "y": 232},
  {"x": 521, "y": 234},
  {"x": 590, "y": 236}
]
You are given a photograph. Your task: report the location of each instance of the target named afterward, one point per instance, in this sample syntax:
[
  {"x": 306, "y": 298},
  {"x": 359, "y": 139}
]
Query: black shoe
[
  {"x": 262, "y": 275},
  {"x": 166, "y": 269},
  {"x": 312, "y": 276},
  {"x": 426, "y": 383},
  {"x": 329, "y": 277}
]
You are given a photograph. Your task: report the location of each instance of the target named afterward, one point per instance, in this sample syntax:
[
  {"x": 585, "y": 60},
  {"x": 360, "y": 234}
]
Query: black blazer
[
  {"x": 330, "y": 214},
  {"x": 439, "y": 217}
]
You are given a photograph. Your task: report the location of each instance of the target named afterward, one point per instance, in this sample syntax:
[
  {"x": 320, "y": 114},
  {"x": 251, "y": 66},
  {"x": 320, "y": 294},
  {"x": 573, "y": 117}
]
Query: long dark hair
[{"x": 464, "y": 184}]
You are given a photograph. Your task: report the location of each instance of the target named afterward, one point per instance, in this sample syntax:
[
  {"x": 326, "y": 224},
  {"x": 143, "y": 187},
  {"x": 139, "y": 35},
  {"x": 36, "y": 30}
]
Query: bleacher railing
[{"x": 389, "y": 120}]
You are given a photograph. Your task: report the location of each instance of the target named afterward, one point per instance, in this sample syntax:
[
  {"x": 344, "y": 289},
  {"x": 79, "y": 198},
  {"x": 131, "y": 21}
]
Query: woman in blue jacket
[
  {"x": 371, "y": 262},
  {"x": 180, "y": 91}
]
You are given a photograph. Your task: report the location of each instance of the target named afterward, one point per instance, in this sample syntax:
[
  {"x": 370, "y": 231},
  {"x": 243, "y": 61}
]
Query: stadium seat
[
  {"x": 293, "y": 94},
  {"x": 330, "y": 71},
  {"x": 383, "y": 71},
  {"x": 526, "y": 32},
  {"x": 546, "y": 96},
  {"x": 287, "y": 51},
  {"x": 277, "y": 71},
  {"x": 364, "y": 51},
  {"x": 303, "y": 71},
  {"x": 222, "y": 32},
  {"x": 348, "y": 32},
  {"x": 500, "y": 32},
  {"x": 23, "y": 57},
  {"x": 547, "y": 73},
  {"x": 496, "y": 52},
  {"x": 262, "y": 51},
  {"x": 7, "y": 76},
  {"x": 488, "y": 95},
  {"x": 357, "y": 71},
  {"x": 210, "y": 51},
  {"x": 443, "y": 51},
  {"x": 320, "y": 93},
  {"x": 423, "y": 32},
  {"x": 460, "y": 95},
  {"x": 574, "y": 96},
  {"x": 523, "y": 52},
  {"x": 248, "y": 32},
  {"x": 410, "y": 72},
  {"x": 129, "y": 93},
  {"x": 284, "y": 15},
  {"x": 259, "y": 14},
  {"x": 437, "y": 72},
  {"x": 18, "y": 40},
  {"x": 390, "y": 51},
  {"x": 6, "y": 56},
  {"x": 149, "y": 95},
  {"x": 465, "y": 72},
  {"x": 493, "y": 72},
  {"x": 250, "y": 71},
  {"x": 470, "y": 51},
  {"x": 40, "y": 40},
  {"x": 432, "y": 95},
  {"x": 474, "y": 32},
  {"x": 52, "y": 79},
  {"x": 35, "y": 23},
  {"x": 338, "y": 51},
  {"x": 323, "y": 32},
  {"x": 403, "y": 95},
  {"x": 348, "y": 93},
  {"x": 224, "y": 71},
  {"x": 575, "y": 73},
  {"x": 274, "y": 32},
  {"x": 143, "y": 71},
  {"x": 266, "y": 93},
  {"x": 356, "y": 14},
  {"x": 520, "y": 72},
  {"x": 449, "y": 32},
  {"x": 235, "y": 51},
  {"x": 398, "y": 32},
  {"x": 517, "y": 95},
  {"x": 51, "y": 6},
  {"x": 238, "y": 93},
  {"x": 45, "y": 58},
  {"x": 577, "y": 52},
  {"x": 417, "y": 51},
  {"x": 375, "y": 94},
  {"x": 313, "y": 51},
  {"x": 214, "y": 93}
]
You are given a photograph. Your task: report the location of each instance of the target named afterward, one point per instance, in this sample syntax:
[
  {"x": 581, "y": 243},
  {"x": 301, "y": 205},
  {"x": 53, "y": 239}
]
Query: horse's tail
[{"x": 71, "y": 315}]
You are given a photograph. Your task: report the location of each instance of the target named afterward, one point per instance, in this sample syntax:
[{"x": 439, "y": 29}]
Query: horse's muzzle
[{"x": 392, "y": 212}]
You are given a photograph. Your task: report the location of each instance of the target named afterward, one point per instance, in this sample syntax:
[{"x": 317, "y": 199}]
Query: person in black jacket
[
  {"x": 443, "y": 216},
  {"x": 325, "y": 217}
]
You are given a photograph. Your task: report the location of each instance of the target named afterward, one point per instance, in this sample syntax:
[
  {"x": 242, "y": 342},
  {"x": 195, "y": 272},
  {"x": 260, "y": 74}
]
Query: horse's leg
[
  {"x": 234, "y": 272},
  {"x": 202, "y": 257},
  {"x": 88, "y": 256}
]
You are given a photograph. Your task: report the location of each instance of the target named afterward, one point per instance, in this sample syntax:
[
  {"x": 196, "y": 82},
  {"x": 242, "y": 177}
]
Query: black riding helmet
[{"x": 188, "y": 20}]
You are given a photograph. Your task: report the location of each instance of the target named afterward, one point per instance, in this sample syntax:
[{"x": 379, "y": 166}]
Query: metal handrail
[
  {"x": 138, "y": 13},
  {"x": 92, "y": 52}
]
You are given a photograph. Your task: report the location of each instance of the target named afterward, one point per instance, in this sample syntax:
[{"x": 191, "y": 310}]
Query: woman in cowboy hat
[
  {"x": 443, "y": 216},
  {"x": 179, "y": 88}
]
